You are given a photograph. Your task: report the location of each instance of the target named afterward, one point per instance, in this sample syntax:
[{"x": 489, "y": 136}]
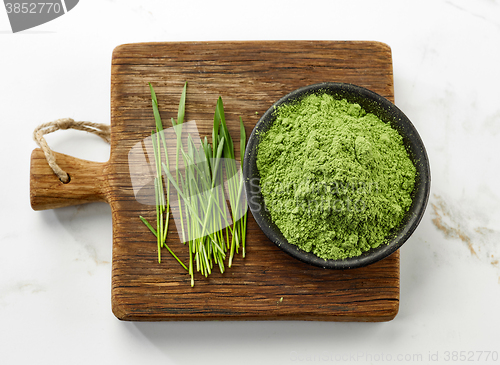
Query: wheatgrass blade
[
  {"x": 178, "y": 132},
  {"x": 182, "y": 105},
  {"x": 229, "y": 160},
  {"x": 165, "y": 206},
  {"x": 157, "y": 199},
  {"x": 243, "y": 221},
  {"x": 168, "y": 248}
]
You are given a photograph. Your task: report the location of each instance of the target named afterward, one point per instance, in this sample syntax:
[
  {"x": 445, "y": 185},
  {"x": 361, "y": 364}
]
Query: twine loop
[{"x": 101, "y": 130}]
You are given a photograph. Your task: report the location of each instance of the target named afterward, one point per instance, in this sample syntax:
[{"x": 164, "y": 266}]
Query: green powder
[{"x": 335, "y": 179}]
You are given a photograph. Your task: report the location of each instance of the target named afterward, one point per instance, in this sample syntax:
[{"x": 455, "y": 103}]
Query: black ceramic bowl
[{"x": 388, "y": 113}]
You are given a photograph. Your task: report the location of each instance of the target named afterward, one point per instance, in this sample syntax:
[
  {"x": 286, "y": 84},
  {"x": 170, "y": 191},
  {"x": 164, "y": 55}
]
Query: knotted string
[{"x": 101, "y": 130}]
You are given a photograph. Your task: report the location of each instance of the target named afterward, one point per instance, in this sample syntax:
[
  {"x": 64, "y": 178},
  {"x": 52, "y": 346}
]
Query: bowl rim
[{"x": 413, "y": 144}]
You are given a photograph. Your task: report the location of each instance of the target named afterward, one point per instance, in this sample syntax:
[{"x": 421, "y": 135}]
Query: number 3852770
[{"x": 33, "y": 8}]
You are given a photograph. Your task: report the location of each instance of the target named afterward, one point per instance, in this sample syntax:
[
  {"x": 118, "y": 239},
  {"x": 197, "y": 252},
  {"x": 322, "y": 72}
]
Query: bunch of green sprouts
[{"x": 211, "y": 233}]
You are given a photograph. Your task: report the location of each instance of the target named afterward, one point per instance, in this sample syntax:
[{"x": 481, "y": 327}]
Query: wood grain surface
[
  {"x": 250, "y": 77},
  {"x": 88, "y": 182}
]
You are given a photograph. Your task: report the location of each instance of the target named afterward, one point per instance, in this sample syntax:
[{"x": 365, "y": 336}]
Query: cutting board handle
[{"x": 88, "y": 182}]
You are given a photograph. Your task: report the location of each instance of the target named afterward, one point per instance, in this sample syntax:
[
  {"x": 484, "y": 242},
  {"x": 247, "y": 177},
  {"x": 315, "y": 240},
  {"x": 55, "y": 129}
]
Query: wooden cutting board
[{"x": 250, "y": 77}]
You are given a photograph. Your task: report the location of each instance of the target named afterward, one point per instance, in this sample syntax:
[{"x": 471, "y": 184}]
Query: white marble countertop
[{"x": 55, "y": 266}]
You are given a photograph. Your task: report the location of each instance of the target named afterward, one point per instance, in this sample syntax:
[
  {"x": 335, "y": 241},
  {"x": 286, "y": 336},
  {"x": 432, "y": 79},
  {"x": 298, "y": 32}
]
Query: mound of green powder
[{"x": 335, "y": 179}]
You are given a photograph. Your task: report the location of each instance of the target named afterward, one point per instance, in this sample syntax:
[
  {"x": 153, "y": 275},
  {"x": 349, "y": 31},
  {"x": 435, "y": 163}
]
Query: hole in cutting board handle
[
  {"x": 89, "y": 182},
  {"x": 67, "y": 182}
]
